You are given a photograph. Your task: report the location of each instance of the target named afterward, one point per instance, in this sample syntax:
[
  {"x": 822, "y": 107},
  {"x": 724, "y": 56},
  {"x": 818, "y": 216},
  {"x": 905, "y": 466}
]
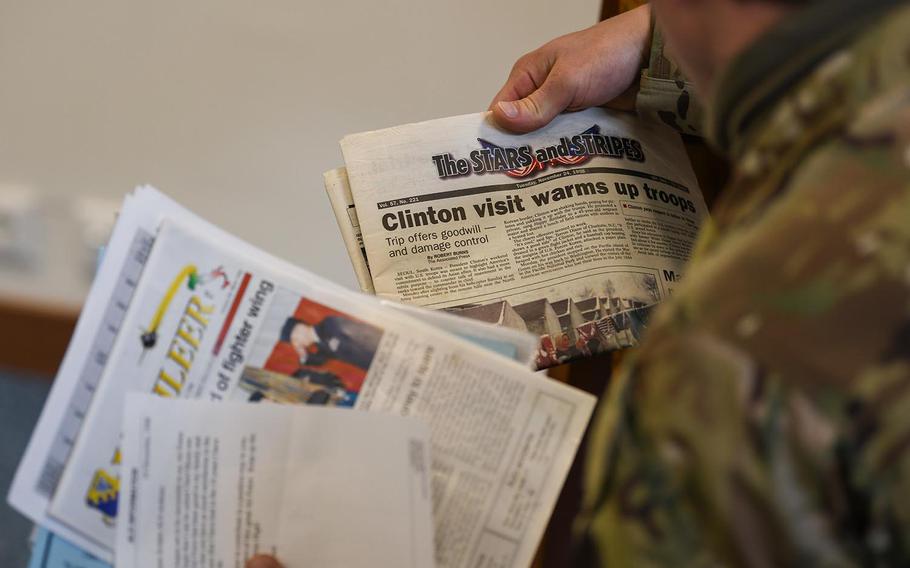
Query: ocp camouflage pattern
[{"x": 765, "y": 419}]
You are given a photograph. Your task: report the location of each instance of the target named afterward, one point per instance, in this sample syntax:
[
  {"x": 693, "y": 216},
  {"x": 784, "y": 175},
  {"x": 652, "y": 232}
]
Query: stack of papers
[{"x": 184, "y": 427}]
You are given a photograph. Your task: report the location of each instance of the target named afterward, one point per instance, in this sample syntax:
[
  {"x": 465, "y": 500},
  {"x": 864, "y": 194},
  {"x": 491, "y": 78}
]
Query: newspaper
[
  {"x": 572, "y": 232},
  {"x": 213, "y": 318},
  {"x": 339, "y": 190},
  {"x": 214, "y": 484}
]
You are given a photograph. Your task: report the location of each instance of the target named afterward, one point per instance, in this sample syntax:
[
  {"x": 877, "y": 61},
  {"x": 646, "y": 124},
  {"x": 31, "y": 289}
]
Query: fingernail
[{"x": 508, "y": 108}]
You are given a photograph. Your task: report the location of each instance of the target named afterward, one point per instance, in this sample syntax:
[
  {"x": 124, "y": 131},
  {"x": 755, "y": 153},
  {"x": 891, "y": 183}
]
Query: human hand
[
  {"x": 262, "y": 561},
  {"x": 591, "y": 67}
]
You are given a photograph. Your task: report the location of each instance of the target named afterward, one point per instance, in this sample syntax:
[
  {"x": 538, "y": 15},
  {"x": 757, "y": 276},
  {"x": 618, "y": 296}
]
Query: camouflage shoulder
[{"x": 797, "y": 326}]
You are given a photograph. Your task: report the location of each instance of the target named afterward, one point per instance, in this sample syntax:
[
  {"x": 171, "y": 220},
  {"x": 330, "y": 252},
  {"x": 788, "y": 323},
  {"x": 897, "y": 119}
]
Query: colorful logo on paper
[
  {"x": 103, "y": 494},
  {"x": 538, "y": 166}
]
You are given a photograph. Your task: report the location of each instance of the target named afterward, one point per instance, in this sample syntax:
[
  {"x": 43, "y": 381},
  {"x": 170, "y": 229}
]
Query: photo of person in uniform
[
  {"x": 334, "y": 337},
  {"x": 314, "y": 354}
]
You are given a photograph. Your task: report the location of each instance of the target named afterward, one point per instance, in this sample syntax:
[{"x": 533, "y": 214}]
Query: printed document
[{"x": 210, "y": 485}]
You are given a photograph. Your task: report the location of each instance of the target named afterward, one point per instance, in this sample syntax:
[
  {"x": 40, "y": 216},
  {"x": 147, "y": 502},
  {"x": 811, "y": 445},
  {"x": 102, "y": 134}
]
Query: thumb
[
  {"x": 536, "y": 110},
  {"x": 262, "y": 561}
]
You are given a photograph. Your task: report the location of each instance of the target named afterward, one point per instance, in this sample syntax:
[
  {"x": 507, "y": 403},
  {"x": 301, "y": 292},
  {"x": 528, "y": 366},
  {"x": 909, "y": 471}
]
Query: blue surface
[{"x": 21, "y": 399}]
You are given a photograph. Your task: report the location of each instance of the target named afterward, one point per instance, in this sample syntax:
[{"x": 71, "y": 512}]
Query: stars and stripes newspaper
[{"x": 572, "y": 233}]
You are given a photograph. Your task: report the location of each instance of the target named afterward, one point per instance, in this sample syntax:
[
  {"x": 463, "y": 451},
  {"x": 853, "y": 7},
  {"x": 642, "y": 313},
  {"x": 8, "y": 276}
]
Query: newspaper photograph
[
  {"x": 307, "y": 353},
  {"x": 217, "y": 322},
  {"x": 572, "y": 232}
]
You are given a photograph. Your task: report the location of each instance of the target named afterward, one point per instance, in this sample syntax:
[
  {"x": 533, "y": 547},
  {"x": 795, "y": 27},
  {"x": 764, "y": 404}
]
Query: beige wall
[{"x": 234, "y": 108}]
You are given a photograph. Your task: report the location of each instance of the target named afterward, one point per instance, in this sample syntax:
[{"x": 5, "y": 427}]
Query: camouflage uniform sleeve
[
  {"x": 665, "y": 94},
  {"x": 766, "y": 421}
]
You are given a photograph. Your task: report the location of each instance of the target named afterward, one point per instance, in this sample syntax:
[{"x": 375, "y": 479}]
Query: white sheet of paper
[{"x": 210, "y": 484}]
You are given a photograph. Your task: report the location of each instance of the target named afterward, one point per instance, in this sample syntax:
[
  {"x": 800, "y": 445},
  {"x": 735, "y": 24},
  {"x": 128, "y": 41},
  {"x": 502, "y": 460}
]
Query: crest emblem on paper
[{"x": 103, "y": 494}]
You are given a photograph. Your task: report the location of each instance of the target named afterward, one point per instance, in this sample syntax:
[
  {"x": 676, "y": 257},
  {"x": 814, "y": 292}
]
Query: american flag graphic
[
  {"x": 536, "y": 165},
  {"x": 606, "y": 326}
]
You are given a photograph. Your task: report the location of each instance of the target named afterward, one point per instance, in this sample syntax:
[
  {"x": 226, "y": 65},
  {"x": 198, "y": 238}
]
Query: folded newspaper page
[
  {"x": 215, "y": 319},
  {"x": 213, "y": 484},
  {"x": 572, "y": 232},
  {"x": 90, "y": 350},
  {"x": 339, "y": 190}
]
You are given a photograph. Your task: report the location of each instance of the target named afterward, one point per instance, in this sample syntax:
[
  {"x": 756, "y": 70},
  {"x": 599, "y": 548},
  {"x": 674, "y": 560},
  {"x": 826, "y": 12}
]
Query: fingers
[
  {"x": 582, "y": 69},
  {"x": 521, "y": 83},
  {"x": 536, "y": 109},
  {"x": 262, "y": 561}
]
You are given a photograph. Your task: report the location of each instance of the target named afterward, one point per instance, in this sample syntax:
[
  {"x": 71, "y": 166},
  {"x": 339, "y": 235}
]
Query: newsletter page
[{"x": 210, "y": 485}]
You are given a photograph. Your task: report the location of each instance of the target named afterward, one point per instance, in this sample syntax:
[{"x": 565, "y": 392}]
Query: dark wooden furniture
[{"x": 33, "y": 337}]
